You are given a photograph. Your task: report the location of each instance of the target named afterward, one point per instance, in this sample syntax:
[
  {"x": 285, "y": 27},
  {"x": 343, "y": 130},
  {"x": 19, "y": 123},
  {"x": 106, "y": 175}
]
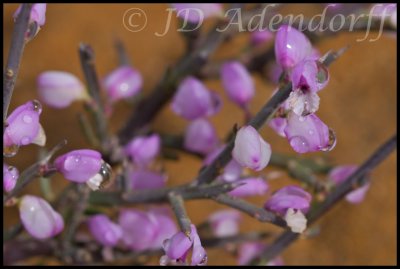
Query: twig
[
  {"x": 354, "y": 180},
  {"x": 209, "y": 173},
  {"x": 86, "y": 55},
  {"x": 178, "y": 207},
  {"x": 258, "y": 213},
  {"x": 14, "y": 57},
  {"x": 123, "y": 58},
  {"x": 12, "y": 232},
  {"x": 39, "y": 168}
]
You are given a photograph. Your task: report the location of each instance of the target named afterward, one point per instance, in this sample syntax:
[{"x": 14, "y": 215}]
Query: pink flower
[
  {"x": 291, "y": 47},
  {"x": 308, "y": 134},
  {"x": 143, "y": 149},
  {"x": 340, "y": 173},
  {"x": 124, "y": 82},
  {"x": 237, "y": 82},
  {"x": 250, "y": 187},
  {"x": 249, "y": 251},
  {"x": 200, "y": 136},
  {"x": 250, "y": 149},
  {"x": 39, "y": 218},
  {"x": 289, "y": 197},
  {"x": 225, "y": 222},
  {"x": 178, "y": 246},
  {"x": 79, "y": 165},
  {"x": 23, "y": 126},
  {"x": 59, "y": 89},
  {"x": 145, "y": 179},
  {"x": 259, "y": 37},
  {"x": 197, "y": 12},
  {"x": 38, "y": 13},
  {"x": 104, "y": 230},
  {"x": 193, "y": 100},
  {"x": 10, "y": 176}
]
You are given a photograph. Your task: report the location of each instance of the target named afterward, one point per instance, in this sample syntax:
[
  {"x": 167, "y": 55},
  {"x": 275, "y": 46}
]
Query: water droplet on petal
[
  {"x": 310, "y": 132},
  {"x": 25, "y": 140},
  {"x": 37, "y": 106},
  {"x": 10, "y": 151},
  {"x": 331, "y": 142},
  {"x": 27, "y": 119},
  {"x": 106, "y": 174},
  {"x": 299, "y": 144},
  {"x": 70, "y": 163}
]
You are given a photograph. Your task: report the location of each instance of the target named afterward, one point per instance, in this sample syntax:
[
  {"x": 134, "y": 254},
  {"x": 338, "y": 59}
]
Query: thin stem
[
  {"x": 86, "y": 55},
  {"x": 87, "y": 129},
  {"x": 359, "y": 177},
  {"x": 123, "y": 57},
  {"x": 178, "y": 207},
  {"x": 258, "y": 213},
  {"x": 37, "y": 169},
  {"x": 14, "y": 56}
]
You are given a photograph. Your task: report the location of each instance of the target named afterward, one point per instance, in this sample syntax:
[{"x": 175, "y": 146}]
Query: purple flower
[
  {"x": 59, "y": 89},
  {"x": 79, "y": 165},
  {"x": 106, "y": 232},
  {"x": 250, "y": 149},
  {"x": 39, "y": 218},
  {"x": 225, "y": 222},
  {"x": 193, "y": 100},
  {"x": 144, "y": 179},
  {"x": 23, "y": 126},
  {"x": 291, "y": 47},
  {"x": 237, "y": 82},
  {"x": 340, "y": 173},
  {"x": 278, "y": 125},
  {"x": 145, "y": 230},
  {"x": 308, "y": 134},
  {"x": 250, "y": 250},
  {"x": 10, "y": 176},
  {"x": 289, "y": 197},
  {"x": 122, "y": 83},
  {"x": 38, "y": 13},
  {"x": 200, "y": 136},
  {"x": 250, "y": 187},
  {"x": 259, "y": 37},
  {"x": 197, "y": 12},
  {"x": 178, "y": 246},
  {"x": 143, "y": 149}
]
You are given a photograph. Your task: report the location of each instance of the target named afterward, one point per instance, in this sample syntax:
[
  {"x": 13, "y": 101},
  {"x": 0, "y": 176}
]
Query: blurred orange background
[{"x": 359, "y": 103}]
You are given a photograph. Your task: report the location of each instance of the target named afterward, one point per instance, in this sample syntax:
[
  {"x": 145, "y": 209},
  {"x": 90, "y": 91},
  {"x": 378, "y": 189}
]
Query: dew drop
[
  {"x": 71, "y": 163},
  {"x": 27, "y": 119},
  {"x": 37, "y": 106},
  {"x": 332, "y": 141},
  {"x": 106, "y": 174},
  {"x": 25, "y": 140},
  {"x": 310, "y": 132},
  {"x": 10, "y": 151},
  {"x": 299, "y": 144}
]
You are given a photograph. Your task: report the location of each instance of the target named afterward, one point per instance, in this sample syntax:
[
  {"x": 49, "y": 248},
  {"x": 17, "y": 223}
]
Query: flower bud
[
  {"x": 39, "y": 218},
  {"x": 250, "y": 187},
  {"x": 291, "y": 47},
  {"x": 237, "y": 82},
  {"x": 59, "y": 89},
  {"x": 193, "y": 100},
  {"x": 23, "y": 127},
  {"x": 278, "y": 125},
  {"x": 10, "y": 176},
  {"x": 259, "y": 37},
  {"x": 308, "y": 134},
  {"x": 38, "y": 14},
  {"x": 250, "y": 149},
  {"x": 197, "y": 12},
  {"x": 225, "y": 222},
  {"x": 144, "y": 179},
  {"x": 106, "y": 232},
  {"x": 84, "y": 166},
  {"x": 289, "y": 197},
  {"x": 200, "y": 137},
  {"x": 340, "y": 173},
  {"x": 122, "y": 83},
  {"x": 143, "y": 149}
]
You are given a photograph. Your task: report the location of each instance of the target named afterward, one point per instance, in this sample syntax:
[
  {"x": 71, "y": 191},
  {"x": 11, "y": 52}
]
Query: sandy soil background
[{"x": 359, "y": 104}]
